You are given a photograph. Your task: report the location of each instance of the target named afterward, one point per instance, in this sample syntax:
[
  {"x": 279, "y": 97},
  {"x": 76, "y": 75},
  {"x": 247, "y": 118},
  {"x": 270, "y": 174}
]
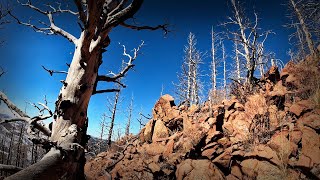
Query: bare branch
[
  {"x": 12, "y": 106},
  {"x": 116, "y": 77},
  {"x": 10, "y": 168},
  {"x": 59, "y": 10},
  {"x": 49, "y": 30},
  {"x": 2, "y": 72},
  {"x": 51, "y": 72},
  {"x": 105, "y": 91},
  {"x": 164, "y": 27},
  {"x": 28, "y": 4},
  {"x": 24, "y": 117},
  {"x": 124, "y": 14}
]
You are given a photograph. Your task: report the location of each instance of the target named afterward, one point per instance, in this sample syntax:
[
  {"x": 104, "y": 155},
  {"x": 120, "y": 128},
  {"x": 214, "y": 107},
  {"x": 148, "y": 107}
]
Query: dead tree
[
  {"x": 214, "y": 64},
  {"x": 67, "y": 138},
  {"x": 238, "y": 62},
  {"x": 188, "y": 86},
  {"x": 224, "y": 70},
  {"x": 248, "y": 37},
  {"x": 113, "y": 110},
  {"x": 130, "y": 109},
  {"x": 102, "y": 131},
  {"x": 307, "y": 16}
]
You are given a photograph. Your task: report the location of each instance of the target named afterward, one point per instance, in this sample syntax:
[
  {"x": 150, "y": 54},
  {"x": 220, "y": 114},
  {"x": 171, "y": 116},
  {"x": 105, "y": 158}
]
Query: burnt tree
[{"x": 97, "y": 18}]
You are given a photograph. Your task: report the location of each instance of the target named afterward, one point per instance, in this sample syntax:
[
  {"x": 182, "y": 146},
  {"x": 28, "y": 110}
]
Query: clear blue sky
[{"x": 25, "y": 51}]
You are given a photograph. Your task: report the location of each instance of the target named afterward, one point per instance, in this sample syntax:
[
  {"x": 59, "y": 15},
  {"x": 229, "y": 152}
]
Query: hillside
[{"x": 271, "y": 132}]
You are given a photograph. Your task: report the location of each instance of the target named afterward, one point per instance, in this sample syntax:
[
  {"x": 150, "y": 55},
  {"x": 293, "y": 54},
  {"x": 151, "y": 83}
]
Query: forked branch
[
  {"x": 116, "y": 77},
  {"x": 48, "y": 29}
]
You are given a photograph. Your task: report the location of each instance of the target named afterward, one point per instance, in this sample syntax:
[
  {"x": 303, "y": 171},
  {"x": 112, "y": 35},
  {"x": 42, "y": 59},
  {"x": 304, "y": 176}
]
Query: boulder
[
  {"x": 273, "y": 74},
  {"x": 154, "y": 149},
  {"x": 311, "y": 145},
  {"x": 301, "y": 107},
  {"x": 264, "y": 152},
  {"x": 198, "y": 169},
  {"x": 159, "y": 131},
  {"x": 169, "y": 148},
  {"x": 311, "y": 120},
  {"x": 256, "y": 169},
  {"x": 163, "y": 109},
  {"x": 282, "y": 146},
  {"x": 147, "y": 133}
]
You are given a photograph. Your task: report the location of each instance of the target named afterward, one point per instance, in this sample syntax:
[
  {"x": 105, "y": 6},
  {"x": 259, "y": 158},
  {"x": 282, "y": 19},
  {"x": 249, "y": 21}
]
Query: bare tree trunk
[
  {"x": 238, "y": 70},
  {"x": 244, "y": 40},
  {"x": 113, "y": 117},
  {"x": 224, "y": 71},
  {"x": 10, "y": 149},
  {"x": 129, "y": 117},
  {"x": 312, "y": 48},
  {"x": 213, "y": 65},
  {"x": 190, "y": 70},
  {"x": 18, "y": 158},
  {"x": 102, "y": 126}
]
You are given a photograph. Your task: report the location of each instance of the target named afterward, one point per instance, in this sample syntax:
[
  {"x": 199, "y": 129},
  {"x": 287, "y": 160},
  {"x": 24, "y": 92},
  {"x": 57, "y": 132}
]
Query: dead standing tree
[
  {"x": 130, "y": 109},
  {"x": 112, "y": 108},
  {"x": 246, "y": 33},
  {"x": 306, "y": 14},
  {"x": 188, "y": 86},
  {"x": 97, "y": 18}
]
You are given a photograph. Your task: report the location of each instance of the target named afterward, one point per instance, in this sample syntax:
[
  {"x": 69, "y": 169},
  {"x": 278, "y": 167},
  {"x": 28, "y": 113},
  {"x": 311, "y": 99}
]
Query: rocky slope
[{"x": 272, "y": 133}]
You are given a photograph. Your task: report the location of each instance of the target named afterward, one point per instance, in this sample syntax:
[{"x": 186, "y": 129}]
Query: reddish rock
[
  {"x": 187, "y": 123},
  {"x": 301, "y": 106},
  {"x": 303, "y": 161},
  {"x": 164, "y": 109},
  {"x": 147, "y": 133},
  {"x": 236, "y": 172},
  {"x": 198, "y": 169},
  {"x": 273, "y": 74},
  {"x": 295, "y": 136},
  {"x": 287, "y": 69},
  {"x": 282, "y": 146},
  {"x": 256, "y": 169},
  {"x": 311, "y": 120},
  {"x": 311, "y": 144},
  {"x": 263, "y": 151},
  {"x": 154, "y": 167},
  {"x": 154, "y": 148},
  {"x": 160, "y": 131},
  {"x": 169, "y": 148}
]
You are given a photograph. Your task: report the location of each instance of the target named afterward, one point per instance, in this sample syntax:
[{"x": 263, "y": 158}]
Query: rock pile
[{"x": 273, "y": 135}]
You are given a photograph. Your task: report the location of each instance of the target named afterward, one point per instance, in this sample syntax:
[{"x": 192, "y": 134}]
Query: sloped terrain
[{"x": 270, "y": 133}]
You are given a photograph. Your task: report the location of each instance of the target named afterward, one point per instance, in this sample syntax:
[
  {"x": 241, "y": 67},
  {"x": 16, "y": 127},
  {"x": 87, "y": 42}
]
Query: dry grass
[{"x": 216, "y": 97}]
